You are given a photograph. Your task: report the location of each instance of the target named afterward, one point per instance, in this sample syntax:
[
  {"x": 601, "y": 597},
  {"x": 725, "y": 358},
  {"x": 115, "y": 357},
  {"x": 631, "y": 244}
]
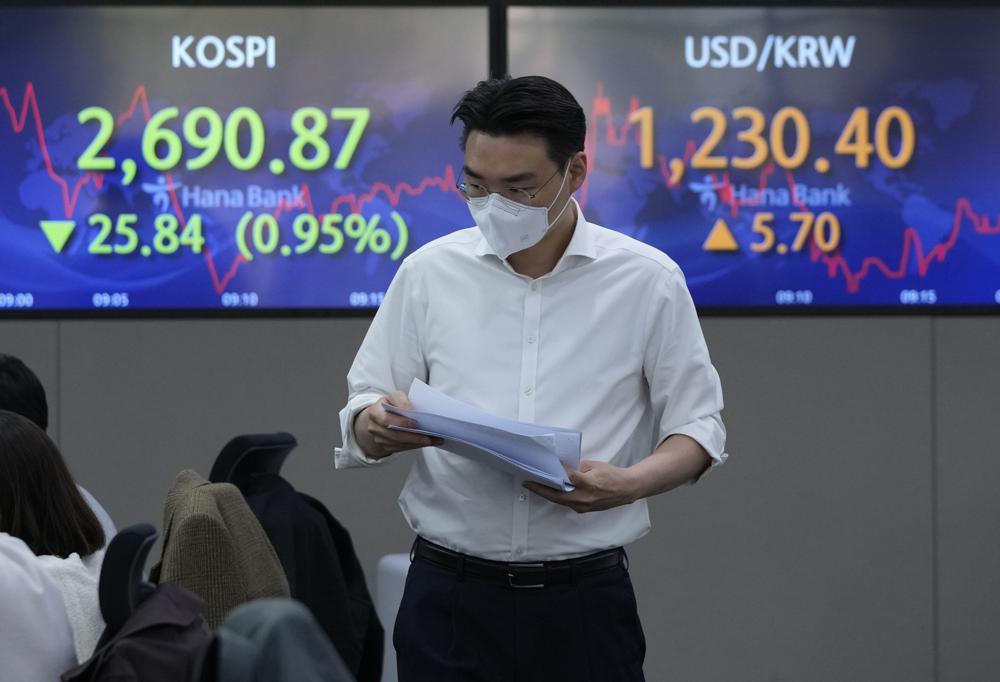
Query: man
[
  {"x": 21, "y": 392},
  {"x": 536, "y": 315}
]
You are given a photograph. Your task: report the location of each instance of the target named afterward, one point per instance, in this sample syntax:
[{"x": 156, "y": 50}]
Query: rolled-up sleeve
[
  {"x": 389, "y": 359},
  {"x": 685, "y": 390}
]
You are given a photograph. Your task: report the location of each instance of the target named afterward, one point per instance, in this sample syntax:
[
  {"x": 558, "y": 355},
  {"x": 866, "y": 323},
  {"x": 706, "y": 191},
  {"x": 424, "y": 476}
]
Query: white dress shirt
[
  {"x": 36, "y": 644},
  {"x": 608, "y": 343}
]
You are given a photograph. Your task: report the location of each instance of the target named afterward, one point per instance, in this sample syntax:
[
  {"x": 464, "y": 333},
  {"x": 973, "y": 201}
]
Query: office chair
[
  {"x": 121, "y": 586},
  {"x": 250, "y": 454}
]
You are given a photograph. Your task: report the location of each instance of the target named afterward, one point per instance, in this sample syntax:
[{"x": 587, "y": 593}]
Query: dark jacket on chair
[
  {"x": 164, "y": 640},
  {"x": 323, "y": 570}
]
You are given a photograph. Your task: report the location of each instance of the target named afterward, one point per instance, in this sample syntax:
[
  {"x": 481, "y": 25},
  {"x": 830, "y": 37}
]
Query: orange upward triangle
[{"x": 720, "y": 238}]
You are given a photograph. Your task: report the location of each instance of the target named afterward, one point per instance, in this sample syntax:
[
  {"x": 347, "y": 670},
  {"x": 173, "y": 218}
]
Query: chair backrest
[
  {"x": 121, "y": 587},
  {"x": 250, "y": 454},
  {"x": 390, "y": 579}
]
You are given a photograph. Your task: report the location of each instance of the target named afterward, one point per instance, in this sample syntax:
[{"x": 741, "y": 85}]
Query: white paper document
[{"x": 530, "y": 452}]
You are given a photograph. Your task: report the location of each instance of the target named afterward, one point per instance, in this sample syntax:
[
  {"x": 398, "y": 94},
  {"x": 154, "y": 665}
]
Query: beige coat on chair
[{"x": 214, "y": 546}]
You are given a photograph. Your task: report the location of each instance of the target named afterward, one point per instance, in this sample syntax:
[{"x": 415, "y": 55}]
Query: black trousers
[{"x": 455, "y": 628}]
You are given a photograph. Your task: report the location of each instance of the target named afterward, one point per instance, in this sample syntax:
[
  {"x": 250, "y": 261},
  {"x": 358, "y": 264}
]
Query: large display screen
[
  {"x": 790, "y": 157},
  {"x": 279, "y": 158},
  {"x": 285, "y": 159}
]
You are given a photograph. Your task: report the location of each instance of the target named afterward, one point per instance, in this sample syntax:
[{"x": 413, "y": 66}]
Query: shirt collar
[{"x": 580, "y": 244}]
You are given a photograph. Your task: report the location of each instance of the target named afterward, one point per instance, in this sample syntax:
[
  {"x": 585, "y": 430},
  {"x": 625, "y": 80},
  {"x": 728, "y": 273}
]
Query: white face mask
[{"x": 510, "y": 226}]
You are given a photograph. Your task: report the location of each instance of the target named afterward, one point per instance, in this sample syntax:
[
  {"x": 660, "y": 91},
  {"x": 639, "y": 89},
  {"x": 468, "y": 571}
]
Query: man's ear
[{"x": 577, "y": 171}]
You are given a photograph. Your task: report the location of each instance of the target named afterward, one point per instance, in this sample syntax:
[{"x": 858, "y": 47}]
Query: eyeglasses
[{"x": 523, "y": 195}]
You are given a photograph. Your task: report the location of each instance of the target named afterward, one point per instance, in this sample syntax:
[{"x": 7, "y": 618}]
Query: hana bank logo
[{"x": 159, "y": 192}]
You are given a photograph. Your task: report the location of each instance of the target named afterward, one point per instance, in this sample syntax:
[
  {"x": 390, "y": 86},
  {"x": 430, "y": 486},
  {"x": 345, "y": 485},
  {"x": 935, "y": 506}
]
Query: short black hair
[
  {"x": 39, "y": 502},
  {"x": 22, "y": 392},
  {"x": 533, "y": 105}
]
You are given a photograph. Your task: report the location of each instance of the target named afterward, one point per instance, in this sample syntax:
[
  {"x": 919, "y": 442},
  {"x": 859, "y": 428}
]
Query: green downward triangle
[{"x": 58, "y": 232}]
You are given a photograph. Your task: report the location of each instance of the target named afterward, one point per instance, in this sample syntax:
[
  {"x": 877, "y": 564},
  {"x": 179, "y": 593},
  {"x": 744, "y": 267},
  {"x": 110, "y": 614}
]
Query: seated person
[
  {"x": 40, "y": 504},
  {"x": 22, "y": 392},
  {"x": 36, "y": 644}
]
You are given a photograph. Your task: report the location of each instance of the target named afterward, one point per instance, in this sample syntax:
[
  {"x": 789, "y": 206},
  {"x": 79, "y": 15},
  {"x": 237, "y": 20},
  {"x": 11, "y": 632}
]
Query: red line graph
[
  {"x": 912, "y": 250},
  {"x": 602, "y": 111}
]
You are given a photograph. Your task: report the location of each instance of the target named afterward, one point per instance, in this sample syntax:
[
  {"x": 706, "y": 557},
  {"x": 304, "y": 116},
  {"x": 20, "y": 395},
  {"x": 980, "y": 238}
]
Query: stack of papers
[{"x": 528, "y": 451}]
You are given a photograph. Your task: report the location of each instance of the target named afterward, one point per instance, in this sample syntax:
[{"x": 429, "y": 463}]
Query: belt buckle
[{"x": 524, "y": 586}]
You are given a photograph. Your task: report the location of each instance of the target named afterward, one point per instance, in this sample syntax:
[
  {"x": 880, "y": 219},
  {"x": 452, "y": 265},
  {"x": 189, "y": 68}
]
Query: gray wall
[{"x": 852, "y": 536}]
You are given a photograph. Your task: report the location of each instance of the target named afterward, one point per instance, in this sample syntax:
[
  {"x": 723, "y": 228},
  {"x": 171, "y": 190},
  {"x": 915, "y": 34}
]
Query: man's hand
[
  {"x": 371, "y": 428},
  {"x": 599, "y": 486}
]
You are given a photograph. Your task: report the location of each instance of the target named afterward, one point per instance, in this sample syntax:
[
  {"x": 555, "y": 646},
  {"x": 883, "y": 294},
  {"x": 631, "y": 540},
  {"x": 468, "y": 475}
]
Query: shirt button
[
  {"x": 534, "y": 286},
  {"x": 519, "y": 551},
  {"x": 531, "y": 339},
  {"x": 528, "y": 391},
  {"x": 522, "y": 497}
]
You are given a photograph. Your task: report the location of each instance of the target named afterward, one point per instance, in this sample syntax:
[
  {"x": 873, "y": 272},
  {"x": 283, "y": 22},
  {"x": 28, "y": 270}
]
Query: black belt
[{"x": 516, "y": 574}]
